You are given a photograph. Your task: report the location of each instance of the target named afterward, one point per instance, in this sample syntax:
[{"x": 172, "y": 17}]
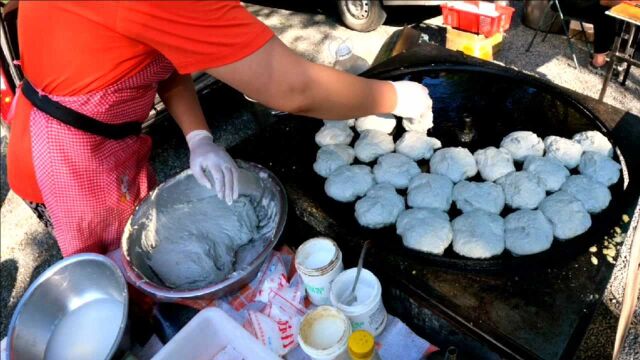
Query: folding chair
[{"x": 554, "y": 6}]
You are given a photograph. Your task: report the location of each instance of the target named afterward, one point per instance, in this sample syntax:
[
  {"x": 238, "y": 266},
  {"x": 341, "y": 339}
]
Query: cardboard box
[
  {"x": 576, "y": 32},
  {"x": 472, "y": 44}
]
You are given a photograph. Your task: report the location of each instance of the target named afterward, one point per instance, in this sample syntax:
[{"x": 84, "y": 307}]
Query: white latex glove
[
  {"x": 413, "y": 100},
  {"x": 211, "y": 161}
]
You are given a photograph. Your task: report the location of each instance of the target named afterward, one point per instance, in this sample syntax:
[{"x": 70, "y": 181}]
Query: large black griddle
[{"x": 534, "y": 307}]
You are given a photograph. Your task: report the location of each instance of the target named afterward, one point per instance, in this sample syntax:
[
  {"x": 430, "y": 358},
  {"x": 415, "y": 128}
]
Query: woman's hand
[
  {"x": 413, "y": 99},
  {"x": 208, "y": 158}
]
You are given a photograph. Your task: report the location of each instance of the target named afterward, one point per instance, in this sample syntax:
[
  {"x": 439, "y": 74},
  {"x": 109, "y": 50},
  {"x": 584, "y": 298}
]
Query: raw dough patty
[
  {"x": 566, "y": 151},
  {"x": 478, "y": 234},
  {"x": 430, "y": 191},
  {"x": 471, "y": 195},
  {"x": 551, "y": 172},
  {"x": 454, "y": 162},
  {"x": 372, "y": 144},
  {"x": 380, "y": 207},
  {"x": 426, "y": 230},
  {"x": 599, "y": 168},
  {"x": 493, "y": 163},
  {"x": 522, "y": 144},
  {"x": 417, "y": 145},
  {"x": 594, "y": 141},
  {"x": 522, "y": 190},
  {"x": 331, "y": 157},
  {"x": 349, "y": 182},
  {"x": 422, "y": 124},
  {"x": 334, "y": 134},
  {"x": 384, "y": 123},
  {"x": 594, "y": 196},
  {"x": 395, "y": 169},
  {"x": 567, "y": 215},
  {"x": 527, "y": 232}
]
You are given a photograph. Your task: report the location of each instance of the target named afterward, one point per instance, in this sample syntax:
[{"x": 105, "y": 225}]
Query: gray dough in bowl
[{"x": 189, "y": 236}]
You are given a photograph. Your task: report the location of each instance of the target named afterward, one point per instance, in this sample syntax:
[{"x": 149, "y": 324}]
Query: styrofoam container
[
  {"x": 210, "y": 332},
  {"x": 368, "y": 312},
  {"x": 318, "y": 261}
]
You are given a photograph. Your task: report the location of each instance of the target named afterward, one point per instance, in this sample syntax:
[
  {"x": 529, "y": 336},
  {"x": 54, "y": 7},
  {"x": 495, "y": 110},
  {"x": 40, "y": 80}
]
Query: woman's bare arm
[
  {"x": 279, "y": 78},
  {"x": 179, "y": 96}
]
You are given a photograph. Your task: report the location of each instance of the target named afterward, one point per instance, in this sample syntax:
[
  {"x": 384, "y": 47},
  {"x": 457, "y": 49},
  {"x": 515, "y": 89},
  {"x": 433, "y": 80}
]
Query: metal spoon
[{"x": 351, "y": 297}]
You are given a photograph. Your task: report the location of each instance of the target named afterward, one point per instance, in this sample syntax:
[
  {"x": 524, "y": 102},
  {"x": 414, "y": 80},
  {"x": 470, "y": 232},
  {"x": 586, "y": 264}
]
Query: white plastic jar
[
  {"x": 324, "y": 333},
  {"x": 318, "y": 261},
  {"x": 367, "y": 312}
]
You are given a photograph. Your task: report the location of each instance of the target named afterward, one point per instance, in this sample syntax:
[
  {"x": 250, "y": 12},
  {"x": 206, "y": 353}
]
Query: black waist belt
[{"x": 78, "y": 120}]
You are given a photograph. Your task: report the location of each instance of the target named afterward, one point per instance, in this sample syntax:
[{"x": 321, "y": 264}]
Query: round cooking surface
[{"x": 476, "y": 108}]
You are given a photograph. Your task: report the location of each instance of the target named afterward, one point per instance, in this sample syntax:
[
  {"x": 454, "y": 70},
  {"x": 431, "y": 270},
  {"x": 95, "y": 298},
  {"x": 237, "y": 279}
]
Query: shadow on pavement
[{"x": 46, "y": 252}]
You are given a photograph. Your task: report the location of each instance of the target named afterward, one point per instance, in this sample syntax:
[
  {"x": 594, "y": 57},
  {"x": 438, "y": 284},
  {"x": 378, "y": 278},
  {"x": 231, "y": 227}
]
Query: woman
[
  {"x": 604, "y": 26},
  {"x": 92, "y": 70}
]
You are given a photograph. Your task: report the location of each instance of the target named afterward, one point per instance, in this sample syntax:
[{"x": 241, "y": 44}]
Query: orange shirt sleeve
[{"x": 194, "y": 35}]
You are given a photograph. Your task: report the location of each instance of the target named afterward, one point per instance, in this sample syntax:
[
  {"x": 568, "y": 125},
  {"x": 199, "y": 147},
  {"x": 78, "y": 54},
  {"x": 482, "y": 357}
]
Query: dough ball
[
  {"x": 454, "y": 162},
  {"x": 421, "y": 124},
  {"x": 566, "y": 151},
  {"x": 372, "y": 144},
  {"x": 567, "y": 215},
  {"x": 334, "y": 134},
  {"x": 550, "y": 171},
  {"x": 385, "y": 123},
  {"x": 340, "y": 123},
  {"x": 527, "y": 232},
  {"x": 522, "y": 189},
  {"x": 417, "y": 145},
  {"x": 599, "y": 168},
  {"x": 331, "y": 157},
  {"x": 594, "y": 196},
  {"x": 478, "y": 234},
  {"x": 522, "y": 144},
  {"x": 349, "y": 182},
  {"x": 430, "y": 191},
  {"x": 426, "y": 230},
  {"x": 395, "y": 169},
  {"x": 594, "y": 141},
  {"x": 471, "y": 195},
  {"x": 380, "y": 207},
  {"x": 493, "y": 163}
]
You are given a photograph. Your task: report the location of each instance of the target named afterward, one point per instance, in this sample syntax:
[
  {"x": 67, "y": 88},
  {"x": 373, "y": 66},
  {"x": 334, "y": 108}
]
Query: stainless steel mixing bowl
[
  {"x": 248, "y": 260},
  {"x": 76, "y": 309}
]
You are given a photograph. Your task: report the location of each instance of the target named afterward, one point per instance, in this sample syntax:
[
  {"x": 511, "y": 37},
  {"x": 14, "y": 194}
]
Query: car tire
[{"x": 361, "y": 15}]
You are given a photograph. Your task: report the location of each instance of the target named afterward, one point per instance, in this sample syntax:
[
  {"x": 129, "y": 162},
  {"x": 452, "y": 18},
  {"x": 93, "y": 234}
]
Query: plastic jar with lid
[
  {"x": 367, "y": 312},
  {"x": 324, "y": 333},
  {"x": 318, "y": 261}
]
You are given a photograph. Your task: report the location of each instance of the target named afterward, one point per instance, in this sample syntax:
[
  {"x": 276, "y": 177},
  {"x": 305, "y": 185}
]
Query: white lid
[{"x": 343, "y": 51}]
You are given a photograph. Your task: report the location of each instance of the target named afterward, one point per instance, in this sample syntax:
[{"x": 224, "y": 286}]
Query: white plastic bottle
[{"x": 346, "y": 60}]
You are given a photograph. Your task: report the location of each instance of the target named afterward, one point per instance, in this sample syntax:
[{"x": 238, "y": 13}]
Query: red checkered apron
[{"x": 91, "y": 184}]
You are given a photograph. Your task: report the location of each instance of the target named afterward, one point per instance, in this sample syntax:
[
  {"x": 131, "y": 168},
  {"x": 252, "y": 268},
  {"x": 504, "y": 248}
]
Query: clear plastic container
[{"x": 346, "y": 60}]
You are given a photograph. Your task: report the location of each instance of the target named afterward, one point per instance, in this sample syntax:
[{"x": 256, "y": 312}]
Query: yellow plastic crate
[{"x": 473, "y": 44}]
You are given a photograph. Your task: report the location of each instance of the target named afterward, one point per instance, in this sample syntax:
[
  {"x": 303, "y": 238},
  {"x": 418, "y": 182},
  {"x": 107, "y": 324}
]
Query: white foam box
[{"x": 210, "y": 333}]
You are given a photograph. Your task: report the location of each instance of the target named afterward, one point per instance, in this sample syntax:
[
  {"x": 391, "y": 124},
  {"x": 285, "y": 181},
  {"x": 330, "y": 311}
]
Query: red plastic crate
[{"x": 478, "y": 23}]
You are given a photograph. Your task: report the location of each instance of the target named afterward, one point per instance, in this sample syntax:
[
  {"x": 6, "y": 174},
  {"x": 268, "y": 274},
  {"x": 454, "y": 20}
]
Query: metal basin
[
  {"x": 77, "y": 309},
  {"x": 248, "y": 258}
]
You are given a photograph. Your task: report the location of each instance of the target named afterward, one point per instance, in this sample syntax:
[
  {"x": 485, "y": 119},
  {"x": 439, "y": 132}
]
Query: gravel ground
[{"x": 27, "y": 248}]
